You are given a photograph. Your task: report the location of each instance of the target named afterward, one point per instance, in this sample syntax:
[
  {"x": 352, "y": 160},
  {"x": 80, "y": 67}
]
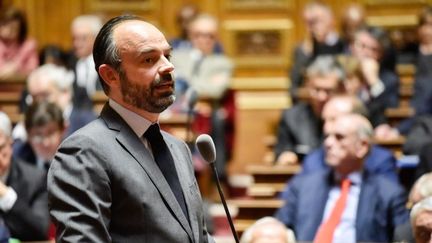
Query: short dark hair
[
  {"x": 11, "y": 14},
  {"x": 42, "y": 113},
  {"x": 105, "y": 50}
]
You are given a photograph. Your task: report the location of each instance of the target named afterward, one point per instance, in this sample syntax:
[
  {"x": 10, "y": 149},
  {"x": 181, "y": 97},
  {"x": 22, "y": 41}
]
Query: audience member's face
[
  {"x": 5, "y": 153},
  {"x": 203, "y": 34},
  {"x": 341, "y": 145},
  {"x": 423, "y": 227},
  {"x": 272, "y": 233},
  {"x": 41, "y": 89},
  {"x": 145, "y": 81},
  {"x": 321, "y": 88},
  {"x": 45, "y": 139},
  {"x": 319, "y": 22},
  {"x": 82, "y": 40},
  {"x": 365, "y": 46},
  {"x": 9, "y": 31},
  {"x": 425, "y": 31}
]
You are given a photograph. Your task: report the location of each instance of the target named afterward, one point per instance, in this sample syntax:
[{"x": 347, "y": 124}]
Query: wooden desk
[
  {"x": 253, "y": 209},
  {"x": 265, "y": 190},
  {"x": 394, "y": 145},
  {"x": 396, "y": 115},
  {"x": 272, "y": 174},
  {"x": 9, "y": 103}
]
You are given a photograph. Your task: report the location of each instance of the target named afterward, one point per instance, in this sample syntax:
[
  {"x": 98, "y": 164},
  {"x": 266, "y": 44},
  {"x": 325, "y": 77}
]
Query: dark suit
[
  {"x": 105, "y": 186},
  {"x": 379, "y": 161},
  {"x": 299, "y": 130},
  {"x": 28, "y": 219},
  {"x": 381, "y": 206}
]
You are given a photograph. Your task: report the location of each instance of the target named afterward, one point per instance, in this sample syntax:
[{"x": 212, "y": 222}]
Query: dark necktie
[
  {"x": 326, "y": 230},
  {"x": 165, "y": 161}
]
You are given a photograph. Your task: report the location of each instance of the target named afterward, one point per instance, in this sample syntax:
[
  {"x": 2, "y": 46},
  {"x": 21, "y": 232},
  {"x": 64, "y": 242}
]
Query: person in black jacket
[{"x": 23, "y": 192}]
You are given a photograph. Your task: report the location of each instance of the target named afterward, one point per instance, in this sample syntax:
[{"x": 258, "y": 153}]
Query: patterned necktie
[
  {"x": 165, "y": 161},
  {"x": 326, "y": 230}
]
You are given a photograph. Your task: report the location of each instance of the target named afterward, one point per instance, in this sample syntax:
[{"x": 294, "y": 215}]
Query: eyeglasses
[{"x": 40, "y": 138}]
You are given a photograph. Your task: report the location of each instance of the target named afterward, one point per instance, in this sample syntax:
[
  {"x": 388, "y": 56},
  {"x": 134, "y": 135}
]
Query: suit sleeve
[
  {"x": 287, "y": 213},
  {"x": 284, "y": 138},
  {"x": 79, "y": 192},
  {"x": 30, "y": 220}
]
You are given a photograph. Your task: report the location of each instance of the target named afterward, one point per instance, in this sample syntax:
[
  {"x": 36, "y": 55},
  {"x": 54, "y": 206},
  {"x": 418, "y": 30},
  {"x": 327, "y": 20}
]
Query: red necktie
[{"x": 326, "y": 230}]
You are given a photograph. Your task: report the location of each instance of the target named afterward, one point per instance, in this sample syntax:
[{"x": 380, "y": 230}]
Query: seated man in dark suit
[
  {"x": 23, "y": 192},
  {"x": 379, "y": 160},
  {"x": 366, "y": 208},
  {"x": 300, "y": 127}
]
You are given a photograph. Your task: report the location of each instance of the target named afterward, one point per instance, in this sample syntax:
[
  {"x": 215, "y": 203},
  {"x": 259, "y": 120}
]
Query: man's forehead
[{"x": 136, "y": 32}]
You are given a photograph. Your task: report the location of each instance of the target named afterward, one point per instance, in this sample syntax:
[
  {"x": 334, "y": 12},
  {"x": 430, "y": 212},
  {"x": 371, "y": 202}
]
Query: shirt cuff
[
  {"x": 377, "y": 89},
  {"x": 8, "y": 200}
]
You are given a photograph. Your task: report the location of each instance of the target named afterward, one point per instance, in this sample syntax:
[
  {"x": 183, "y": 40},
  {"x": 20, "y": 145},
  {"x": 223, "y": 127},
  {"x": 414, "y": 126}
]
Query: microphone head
[
  {"x": 191, "y": 97},
  {"x": 206, "y": 148}
]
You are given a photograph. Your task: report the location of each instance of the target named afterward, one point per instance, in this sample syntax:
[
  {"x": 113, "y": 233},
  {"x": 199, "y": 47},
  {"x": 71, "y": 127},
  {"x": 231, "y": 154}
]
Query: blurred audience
[
  {"x": 355, "y": 83},
  {"x": 84, "y": 29},
  {"x": 53, "y": 83},
  {"x": 18, "y": 53},
  {"x": 209, "y": 74},
  {"x": 344, "y": 203},
  {"x": 45, "y": 128},
  {"x": 369, "y": 46},
  {"x": 421, "y": 189},
  {"x": 300, "y": 127},
  {"x": 183, "y": 18},
  {"x": 268, "y": 230},
  {"x": 321, "y": 39},
  {"x": 353, "y": 19},
  {"x": 23, "y": 192},
  {"x": 421, "y": 220}
]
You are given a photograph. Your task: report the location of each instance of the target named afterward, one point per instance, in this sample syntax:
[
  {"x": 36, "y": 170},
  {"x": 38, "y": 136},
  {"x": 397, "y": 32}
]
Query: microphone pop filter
[{"x": 206, "y": 148}]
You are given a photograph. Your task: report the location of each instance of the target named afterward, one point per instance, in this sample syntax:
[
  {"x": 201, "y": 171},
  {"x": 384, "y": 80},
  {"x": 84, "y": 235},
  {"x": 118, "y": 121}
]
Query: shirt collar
[
  {"x": 354, "y": 177},
  {"x": 138, "y": 123}
]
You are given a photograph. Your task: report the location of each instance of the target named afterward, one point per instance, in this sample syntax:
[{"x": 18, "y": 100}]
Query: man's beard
[{"x": 144, "y": 98}]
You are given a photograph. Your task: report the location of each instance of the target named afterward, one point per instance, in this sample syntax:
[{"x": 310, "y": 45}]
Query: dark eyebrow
[{"x": 147, "y": 51}]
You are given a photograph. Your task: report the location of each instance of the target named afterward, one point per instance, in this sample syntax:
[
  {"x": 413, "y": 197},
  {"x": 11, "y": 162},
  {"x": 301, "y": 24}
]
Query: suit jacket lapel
[
  {"x": 183, "y": 172},
  {"x": 136, "y": 148},
  {"x": 366, "y": 211}
]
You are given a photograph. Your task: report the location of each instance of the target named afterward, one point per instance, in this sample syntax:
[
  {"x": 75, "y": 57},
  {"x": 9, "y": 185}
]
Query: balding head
[{"x": 341, "y": 105}]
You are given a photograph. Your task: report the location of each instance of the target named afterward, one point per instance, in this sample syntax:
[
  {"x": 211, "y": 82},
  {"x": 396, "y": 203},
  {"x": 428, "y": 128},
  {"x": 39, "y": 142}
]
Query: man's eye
[
  {"x": 168, "y": 57},
  {"x": 149, "y": 60}
]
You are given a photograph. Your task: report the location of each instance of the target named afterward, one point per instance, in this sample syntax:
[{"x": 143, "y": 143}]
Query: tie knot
[
  {"x": 345, "y": 183},
  {"x": 152, "y": 132}
]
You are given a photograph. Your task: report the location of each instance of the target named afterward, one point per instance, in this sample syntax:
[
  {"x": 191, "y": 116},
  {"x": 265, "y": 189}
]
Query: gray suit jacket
[{"x": 104, "y": 186}]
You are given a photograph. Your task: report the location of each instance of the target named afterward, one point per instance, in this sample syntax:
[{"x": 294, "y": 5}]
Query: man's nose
[{"x": 166, "y": 66}]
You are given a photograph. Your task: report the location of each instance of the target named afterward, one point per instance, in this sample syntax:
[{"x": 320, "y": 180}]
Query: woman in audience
[{"x": 18, "y": 53}]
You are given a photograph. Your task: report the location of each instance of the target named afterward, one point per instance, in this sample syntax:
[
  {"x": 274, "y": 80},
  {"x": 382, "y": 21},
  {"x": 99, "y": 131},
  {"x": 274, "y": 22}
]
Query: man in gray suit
[{"x": 117, "y": 179}]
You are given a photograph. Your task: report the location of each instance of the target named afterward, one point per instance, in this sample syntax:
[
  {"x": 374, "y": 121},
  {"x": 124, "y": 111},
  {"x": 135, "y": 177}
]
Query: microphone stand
[{"x": 233, "y": 230}]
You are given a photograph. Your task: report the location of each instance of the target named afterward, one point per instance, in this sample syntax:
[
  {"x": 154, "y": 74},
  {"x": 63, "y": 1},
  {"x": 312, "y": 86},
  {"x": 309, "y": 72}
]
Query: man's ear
[{"x": 109, "y": 75}]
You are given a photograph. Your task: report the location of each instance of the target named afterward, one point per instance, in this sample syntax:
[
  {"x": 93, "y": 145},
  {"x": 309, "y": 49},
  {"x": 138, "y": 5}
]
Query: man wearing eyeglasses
[{"x": 23, "y": 192}]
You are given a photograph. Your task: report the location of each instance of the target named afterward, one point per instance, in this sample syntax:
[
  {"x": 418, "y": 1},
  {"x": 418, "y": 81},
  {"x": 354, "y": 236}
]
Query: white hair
[
  {"x": 93, "y": 21},
  {"x": 59, "y": 76},
  {"x": 247, "y": 236},
  {"x": 5, "y": 124},
  {"x": 423, "y": 205}
]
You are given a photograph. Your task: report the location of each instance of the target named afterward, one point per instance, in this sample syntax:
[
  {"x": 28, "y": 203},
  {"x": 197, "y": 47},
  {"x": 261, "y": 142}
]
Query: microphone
[
  {"x": 207, "y": 150},
  {"x": 191, "y": 98}
]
